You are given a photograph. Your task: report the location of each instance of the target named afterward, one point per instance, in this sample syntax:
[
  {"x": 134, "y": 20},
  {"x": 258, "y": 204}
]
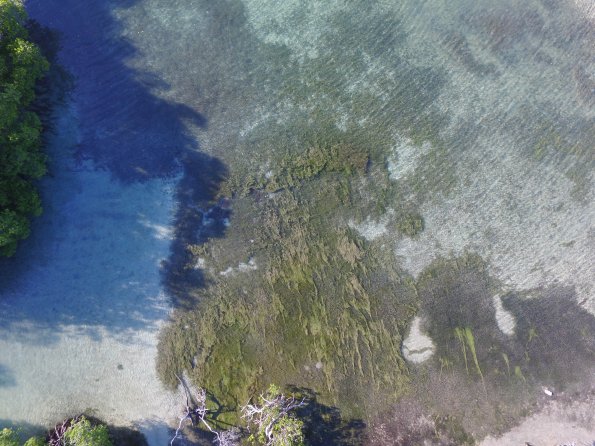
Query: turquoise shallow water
[{"x": 173, "y": 95}]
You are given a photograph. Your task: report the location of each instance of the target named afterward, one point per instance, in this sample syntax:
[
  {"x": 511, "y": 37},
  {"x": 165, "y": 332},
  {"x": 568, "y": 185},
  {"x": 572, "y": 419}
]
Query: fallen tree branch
[
  {"x": 196, "y": 409},
  {"x": 273, "y": 409},
  {"x": 56, "y": 436}
]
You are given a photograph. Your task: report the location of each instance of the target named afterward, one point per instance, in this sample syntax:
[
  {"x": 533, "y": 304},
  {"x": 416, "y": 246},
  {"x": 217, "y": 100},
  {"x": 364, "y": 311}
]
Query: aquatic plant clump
[{"x": 322, "y": 310}]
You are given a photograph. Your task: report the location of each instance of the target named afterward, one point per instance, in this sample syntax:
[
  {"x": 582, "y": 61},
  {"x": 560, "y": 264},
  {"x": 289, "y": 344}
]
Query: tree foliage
[
  {"x": 9, "y": 437},
  {"x": 272, "y": 421},
  {"x": 21, "y": 160},
  {"x": 80, "y": 433},
  {"x": 83, "y": 433},
  {"x": 35, "y": 441}
]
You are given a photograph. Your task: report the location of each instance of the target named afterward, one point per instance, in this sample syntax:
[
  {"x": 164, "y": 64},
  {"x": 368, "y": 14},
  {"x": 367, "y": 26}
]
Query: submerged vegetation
[
  {"x": 21, "y": 160},
  {"x": 456, "y": 297},
  {"x": 410, "y": 224},
  {"x": 294, "y": 294},
  {"x": 465, "y": 337},
  {"x": 309, "y": 150},
  {"x": 321, "y": 309}
]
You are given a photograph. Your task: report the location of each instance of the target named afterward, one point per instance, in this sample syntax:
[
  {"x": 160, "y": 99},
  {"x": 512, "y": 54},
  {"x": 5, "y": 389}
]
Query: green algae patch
[
  {"x": 410, "y": 224},
  {"x": 550, "y": 143},
  {"x": 309, "y": 147},
  {"x": 293, "y": 169},
  {"x": 321, "y": 309}
]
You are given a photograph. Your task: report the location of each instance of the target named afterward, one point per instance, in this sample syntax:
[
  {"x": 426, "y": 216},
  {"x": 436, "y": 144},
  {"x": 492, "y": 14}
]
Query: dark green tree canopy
[{"x": 21, "y": 160}]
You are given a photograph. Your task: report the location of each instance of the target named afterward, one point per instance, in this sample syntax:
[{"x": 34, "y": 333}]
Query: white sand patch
[
  {"x": 241, "y": 268},
  {"x": 504, "y": 318},
  {"x": 296, "y": 24},
  {"x": 161, "y": 232},
  {"x": 200, "y": 263},
  {"x": 114, "y": 377},
  {"x": 372, "y": 229},
  {"x": 586, "y": 8},
  {"x": 405, "y": 158},
  {"x": 417, "y": 346}
]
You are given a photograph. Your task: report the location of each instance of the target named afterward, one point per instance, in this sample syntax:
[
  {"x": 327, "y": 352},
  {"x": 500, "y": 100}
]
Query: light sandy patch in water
[
  {"x": 309, "y": 20},
  {"x": 406, "y": 157},
  {"x": 504, "y": 319},
  {"x": 372, "y": 229},
  {"x": 417, "y": 346},
  {"x": 112, "y": 379}
]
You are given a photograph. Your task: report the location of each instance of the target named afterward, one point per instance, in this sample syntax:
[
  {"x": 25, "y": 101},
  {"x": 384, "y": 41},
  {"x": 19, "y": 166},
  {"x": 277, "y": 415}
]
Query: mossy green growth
[
  {"x": 300, "y": 152},
  {"x": 507, "y": 362},
  {"x": 467, "y": 340},
  {"x": 519, "y": 373},
  {"x": 341, "y": 158},
  {"x": 461, "y": 339},
  {"x": 410, "y": 224},
  {"x": 323, "y": 310}
]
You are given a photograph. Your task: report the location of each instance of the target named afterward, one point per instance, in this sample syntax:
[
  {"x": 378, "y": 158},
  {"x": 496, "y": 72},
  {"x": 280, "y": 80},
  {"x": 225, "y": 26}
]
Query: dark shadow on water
[
  {"x": 553, "y": 342},
  {"x": 197, "y": 219},
  {"x": 556, "y": 334},
  {"x": 127, "y": 130},
  {"x": 324, "y": 425}
]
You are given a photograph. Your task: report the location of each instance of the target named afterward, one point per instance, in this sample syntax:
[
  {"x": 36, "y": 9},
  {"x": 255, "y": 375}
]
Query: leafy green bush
[
  {"x": 35, "y": 441},
  {"x": 21, "y": 161},
  {"x": 82, "y": 433},
  {"x": 410, "y": 224},
  {"x": 8, "y": 437}
]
